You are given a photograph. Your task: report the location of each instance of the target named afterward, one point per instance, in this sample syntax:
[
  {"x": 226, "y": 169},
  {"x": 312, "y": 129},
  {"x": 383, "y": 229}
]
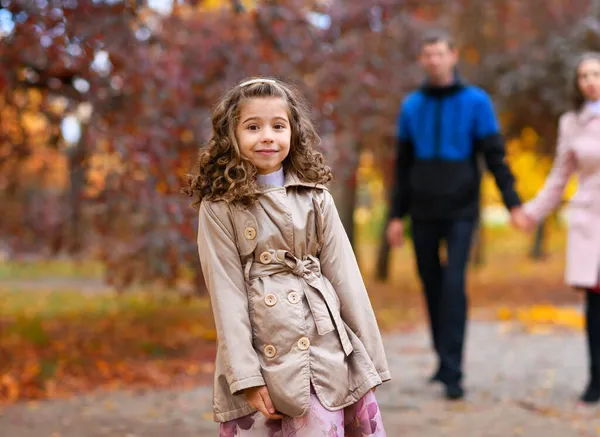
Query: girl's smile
[{"x": 264, "y": 133}]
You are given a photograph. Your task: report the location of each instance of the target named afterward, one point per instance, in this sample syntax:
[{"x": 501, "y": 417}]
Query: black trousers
[
  {"x": 444, "y": 287},
  {"x": 592, "y": 314}
]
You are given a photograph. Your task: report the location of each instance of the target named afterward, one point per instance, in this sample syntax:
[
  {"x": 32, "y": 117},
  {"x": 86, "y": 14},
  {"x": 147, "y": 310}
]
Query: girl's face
[
  {"x": 588, "y": 79},
  {"x": 264, "y": 132}
]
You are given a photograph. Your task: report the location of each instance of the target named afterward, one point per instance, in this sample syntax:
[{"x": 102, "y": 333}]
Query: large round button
[
  {"x": 294, "y": 297},
  {"x": 266, "y": 258},
  {"x": 250, "y": 233},
  {"x": 270, "y": 351},
  {"x": 270, "y": 299},
  {"x": 303, "y": 343}
]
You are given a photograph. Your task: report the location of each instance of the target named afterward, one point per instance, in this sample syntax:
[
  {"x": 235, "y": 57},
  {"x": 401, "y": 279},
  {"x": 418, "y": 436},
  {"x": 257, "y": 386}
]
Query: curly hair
[
  {"x": 577, "y": 97},
  {"x": 223, "y": 173}
]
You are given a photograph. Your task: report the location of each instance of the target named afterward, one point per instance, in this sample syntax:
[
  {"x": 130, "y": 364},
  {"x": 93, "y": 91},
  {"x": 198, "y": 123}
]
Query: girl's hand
[{"x": 258, "y": 397}]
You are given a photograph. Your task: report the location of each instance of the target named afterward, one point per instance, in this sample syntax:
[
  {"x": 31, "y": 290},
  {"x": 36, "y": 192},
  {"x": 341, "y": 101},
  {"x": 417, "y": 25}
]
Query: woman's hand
[
  {"x": 521, "y": 221},
  {"x": 258, "y": 397}
]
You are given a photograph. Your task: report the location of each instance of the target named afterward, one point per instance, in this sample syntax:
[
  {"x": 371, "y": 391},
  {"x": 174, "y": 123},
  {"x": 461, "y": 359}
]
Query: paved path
[{"x": 518, "y": 384}]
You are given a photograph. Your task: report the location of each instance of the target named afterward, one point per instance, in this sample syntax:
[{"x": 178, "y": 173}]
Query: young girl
[
  {"x": 299, "y": 351},
  {"x": 578, "y": 150}
]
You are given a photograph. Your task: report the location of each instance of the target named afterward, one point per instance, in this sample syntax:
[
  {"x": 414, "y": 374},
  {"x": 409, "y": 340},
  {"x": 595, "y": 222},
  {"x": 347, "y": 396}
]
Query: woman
[{"x": 578, "y": 151}]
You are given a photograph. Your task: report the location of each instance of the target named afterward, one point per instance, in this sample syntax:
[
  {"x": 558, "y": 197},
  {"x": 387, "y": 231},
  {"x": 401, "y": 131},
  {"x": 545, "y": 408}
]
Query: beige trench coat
[
  {"x": 578, "y": 150},
  {"x": 289, "y": 302}
]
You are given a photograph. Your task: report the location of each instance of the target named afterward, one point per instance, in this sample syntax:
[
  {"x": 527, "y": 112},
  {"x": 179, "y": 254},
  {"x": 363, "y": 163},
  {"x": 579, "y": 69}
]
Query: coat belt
[{"x": 320, "y": 298}]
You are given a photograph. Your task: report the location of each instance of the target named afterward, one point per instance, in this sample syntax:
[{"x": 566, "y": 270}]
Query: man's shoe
[
  {"x": 454, "y": 391},
  {"x": 591, "y": 395},
  {"x": 435, "y": 378}
]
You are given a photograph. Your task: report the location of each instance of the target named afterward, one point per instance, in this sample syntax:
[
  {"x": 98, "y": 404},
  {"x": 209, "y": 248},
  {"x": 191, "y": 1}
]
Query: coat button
[
  {"x": 250, "y": 233},
  {"x": 270, "y": 351},
  {"x": 270, "y": 300},
  {"x": 266, "y": 258},
  {"x": 294, "y": 297},
  {"x": 303, "y": 343}
]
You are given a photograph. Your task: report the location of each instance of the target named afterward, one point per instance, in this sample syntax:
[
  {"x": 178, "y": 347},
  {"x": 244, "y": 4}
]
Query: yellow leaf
[
  {"x": 504, "y": 314},
  {"x": 209, "y": 334},
  {"x": 192, "y": 369},
  {"x": 9, "y": 386},
  {"x": 187, "y": 136}
]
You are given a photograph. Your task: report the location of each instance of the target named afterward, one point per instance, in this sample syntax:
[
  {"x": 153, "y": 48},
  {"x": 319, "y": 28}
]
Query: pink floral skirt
[{"x": 360, "y": 419}]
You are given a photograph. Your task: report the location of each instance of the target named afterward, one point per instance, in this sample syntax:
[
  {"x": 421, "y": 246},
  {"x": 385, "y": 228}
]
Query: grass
[{"x": 55, "y": 268}]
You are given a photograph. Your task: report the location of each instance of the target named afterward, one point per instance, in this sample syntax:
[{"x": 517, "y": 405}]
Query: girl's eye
[
  {"x": 279, "y": 126},
  {"x": 252, "y": 127}
]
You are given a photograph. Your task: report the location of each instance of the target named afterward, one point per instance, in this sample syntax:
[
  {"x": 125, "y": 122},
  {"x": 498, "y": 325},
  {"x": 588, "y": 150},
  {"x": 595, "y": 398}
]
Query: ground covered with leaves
[{"x": 58, "y": 341}]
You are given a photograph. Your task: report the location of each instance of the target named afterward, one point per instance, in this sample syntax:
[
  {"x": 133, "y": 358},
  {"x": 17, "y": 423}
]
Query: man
[{"x": 442, "y": 129}]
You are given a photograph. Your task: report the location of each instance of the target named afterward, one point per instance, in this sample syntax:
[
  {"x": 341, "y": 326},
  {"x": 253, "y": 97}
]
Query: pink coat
[{"x": 578, "y": 150}]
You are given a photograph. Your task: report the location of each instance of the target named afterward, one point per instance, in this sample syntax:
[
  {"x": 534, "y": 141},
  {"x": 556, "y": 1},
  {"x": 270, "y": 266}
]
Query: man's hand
[
  {"x": 520, "y": 220},
  {"x": 258, "y": 397},
  {"x": 395, "y": 232}
]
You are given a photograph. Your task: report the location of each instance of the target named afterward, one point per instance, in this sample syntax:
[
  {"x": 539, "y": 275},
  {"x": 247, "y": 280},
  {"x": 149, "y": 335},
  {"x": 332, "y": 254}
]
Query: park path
[{"x": 519, "y": 384}]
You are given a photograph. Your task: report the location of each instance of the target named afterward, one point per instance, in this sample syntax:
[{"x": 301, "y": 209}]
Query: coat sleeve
[
  {"x": 491, "y": 142},
  {"x": 224, "y": 278},
  {"x": 340, "y": 267},
  {"x": 563, "y": 167}
]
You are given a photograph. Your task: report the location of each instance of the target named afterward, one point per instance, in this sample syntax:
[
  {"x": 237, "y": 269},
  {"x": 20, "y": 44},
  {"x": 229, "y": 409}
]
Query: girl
[
  {"x": 299, "y": 351},
  {"x": 578, "y": 150}
]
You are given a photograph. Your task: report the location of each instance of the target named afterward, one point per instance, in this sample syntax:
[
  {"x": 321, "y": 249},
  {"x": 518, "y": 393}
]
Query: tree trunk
[
  {"x": 478, "y": 246},
  {"x": 383, "y": 259},
  {"x": 76, "y": 161},
  {"x": 537, "y": 249},
  {"x": 344, "y": 192},
  {"x": 344, "y": 186},
  {"x": 387, "y": 163}
]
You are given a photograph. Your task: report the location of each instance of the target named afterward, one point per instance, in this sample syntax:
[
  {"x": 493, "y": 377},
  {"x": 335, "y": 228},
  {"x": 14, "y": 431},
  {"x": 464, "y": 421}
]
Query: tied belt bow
[{"x": 319, "y": 294}]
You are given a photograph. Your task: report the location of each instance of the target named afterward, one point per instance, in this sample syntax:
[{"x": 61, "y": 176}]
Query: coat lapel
[{"x": 586, "y": 115}]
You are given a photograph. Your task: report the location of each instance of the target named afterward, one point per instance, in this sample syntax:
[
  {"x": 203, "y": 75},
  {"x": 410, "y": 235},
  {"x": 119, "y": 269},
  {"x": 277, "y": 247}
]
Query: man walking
[{"x": 442, "y": 129}]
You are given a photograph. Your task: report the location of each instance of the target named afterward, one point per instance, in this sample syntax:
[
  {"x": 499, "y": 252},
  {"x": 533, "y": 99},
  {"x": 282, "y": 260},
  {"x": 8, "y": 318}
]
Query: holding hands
[{"x": 520, "y": 220}]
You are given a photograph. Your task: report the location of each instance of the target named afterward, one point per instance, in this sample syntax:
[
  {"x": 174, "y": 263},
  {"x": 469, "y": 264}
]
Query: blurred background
[{"x": 104, "y": 103}]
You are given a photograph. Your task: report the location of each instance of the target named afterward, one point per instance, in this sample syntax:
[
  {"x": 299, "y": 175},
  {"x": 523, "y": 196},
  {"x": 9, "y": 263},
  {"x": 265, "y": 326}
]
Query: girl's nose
[{"x": 267, "y": 136}]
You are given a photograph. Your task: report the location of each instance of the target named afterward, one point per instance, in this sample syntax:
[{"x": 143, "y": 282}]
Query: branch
[{"x": 238, "y": 7}]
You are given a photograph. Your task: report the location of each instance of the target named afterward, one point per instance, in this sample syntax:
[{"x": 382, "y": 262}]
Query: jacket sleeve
[
  {"x": 400, "y": 201},
  {"x": 340, "y": 267},
  {"x": 563, "y": 167},
  {"x": 224, "y": 278},
  {"x": 491, "y": 142}
]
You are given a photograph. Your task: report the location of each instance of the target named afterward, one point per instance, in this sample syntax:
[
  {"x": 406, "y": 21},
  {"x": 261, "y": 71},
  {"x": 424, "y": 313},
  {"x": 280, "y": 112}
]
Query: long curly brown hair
[{"x": 222, "y": 173}]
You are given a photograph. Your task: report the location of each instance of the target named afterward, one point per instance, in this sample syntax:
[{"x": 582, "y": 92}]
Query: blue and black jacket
[{"x": 441, "y": 133}]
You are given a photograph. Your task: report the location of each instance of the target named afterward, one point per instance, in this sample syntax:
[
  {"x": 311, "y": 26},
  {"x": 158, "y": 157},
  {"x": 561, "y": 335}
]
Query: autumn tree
[{"x": 141, "y": 86}]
